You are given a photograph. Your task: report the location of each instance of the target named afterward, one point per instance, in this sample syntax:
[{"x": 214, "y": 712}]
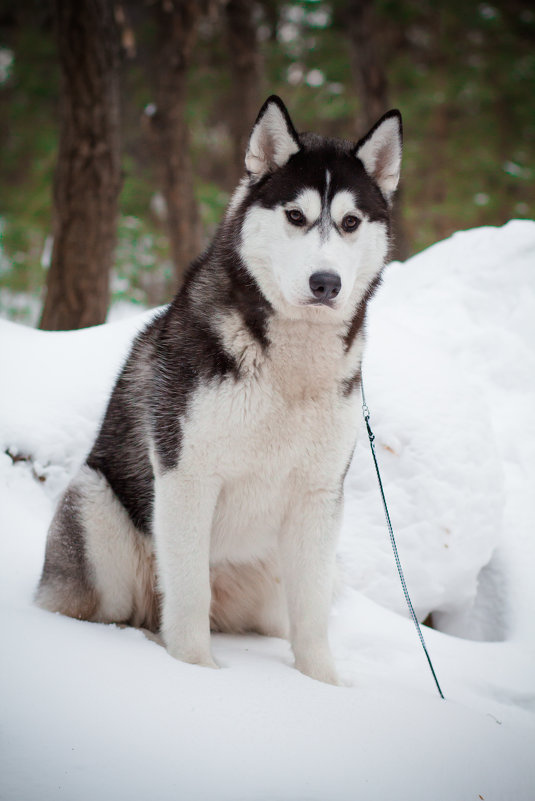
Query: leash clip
[
  {"x": 366, "y": 414},
  {"x": 371, "y": 435}
]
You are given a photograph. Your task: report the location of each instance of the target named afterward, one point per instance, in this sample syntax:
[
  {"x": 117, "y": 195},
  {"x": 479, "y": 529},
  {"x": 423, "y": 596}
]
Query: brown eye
[
  {"x": 296, "y": 217},
  {"x": 350, "y": 223}
]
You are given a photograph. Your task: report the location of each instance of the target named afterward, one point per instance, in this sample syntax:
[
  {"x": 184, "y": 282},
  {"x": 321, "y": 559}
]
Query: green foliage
[
  {"x": 28, "y": 98},
  {"x": 142, "y": 265}
]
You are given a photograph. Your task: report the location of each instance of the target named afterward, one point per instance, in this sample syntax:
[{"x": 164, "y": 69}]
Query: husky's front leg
[
  {"x": 308, "y": 545},
  {"x": 183, "y": 515}
]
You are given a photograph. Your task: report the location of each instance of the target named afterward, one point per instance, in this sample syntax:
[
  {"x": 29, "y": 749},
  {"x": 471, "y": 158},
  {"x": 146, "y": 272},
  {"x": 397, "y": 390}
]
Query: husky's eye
[
  {"x": 350, "y": 223},
  {"x": 296, "y": 217}
]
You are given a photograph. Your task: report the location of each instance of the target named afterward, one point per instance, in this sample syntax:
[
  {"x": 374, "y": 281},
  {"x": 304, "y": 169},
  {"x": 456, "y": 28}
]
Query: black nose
[{"x": 325, "y": 286}]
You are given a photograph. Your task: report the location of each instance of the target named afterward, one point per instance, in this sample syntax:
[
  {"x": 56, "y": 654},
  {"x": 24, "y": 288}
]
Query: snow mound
[
  {"x": 90, "y": 710},
  {"x": 449, "y": 376}
]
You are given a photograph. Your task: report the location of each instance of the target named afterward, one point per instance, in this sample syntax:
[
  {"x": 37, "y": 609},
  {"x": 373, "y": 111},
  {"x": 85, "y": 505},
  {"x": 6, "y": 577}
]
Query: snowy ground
[{"x": 90, "y": 711}]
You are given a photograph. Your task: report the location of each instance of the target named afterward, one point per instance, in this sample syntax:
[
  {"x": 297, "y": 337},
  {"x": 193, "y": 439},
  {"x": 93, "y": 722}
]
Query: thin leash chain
[{"x": 371, "y": 437}]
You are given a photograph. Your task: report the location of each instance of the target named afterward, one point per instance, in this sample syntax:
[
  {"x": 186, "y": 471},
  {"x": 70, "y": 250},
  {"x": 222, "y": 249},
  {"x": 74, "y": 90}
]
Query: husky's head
[{"x": 314, "y": 212}]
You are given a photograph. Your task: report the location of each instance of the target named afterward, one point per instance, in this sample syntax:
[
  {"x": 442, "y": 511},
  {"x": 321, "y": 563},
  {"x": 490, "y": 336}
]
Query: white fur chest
[
  {"x": 282, "y": 427},
  {"x": 287, "y": 402}
]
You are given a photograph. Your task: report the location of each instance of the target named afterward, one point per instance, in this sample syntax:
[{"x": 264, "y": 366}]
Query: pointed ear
[
  {"x": 380, "y": 152},
  {"x": 273, "y": 139}
]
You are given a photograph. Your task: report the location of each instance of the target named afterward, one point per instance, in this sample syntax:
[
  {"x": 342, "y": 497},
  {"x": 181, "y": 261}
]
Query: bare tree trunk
[
  {"x": 368, "y": 70},
  {"x": 246, "y": 79},
  {"x": 372, "y": 88},
  {"x": 87, "y": 178},
  {"x": 177, "y": 26}
]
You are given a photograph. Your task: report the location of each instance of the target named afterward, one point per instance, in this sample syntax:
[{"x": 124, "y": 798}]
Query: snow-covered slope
[{"x": 92, "y": 711}]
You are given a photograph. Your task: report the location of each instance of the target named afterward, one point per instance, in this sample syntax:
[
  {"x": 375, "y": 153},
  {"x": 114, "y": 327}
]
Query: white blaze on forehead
[
  {"x": 309, "y": 202},
  {"x": 327, "y": 185},
  {"x": 343, "y": 203}
]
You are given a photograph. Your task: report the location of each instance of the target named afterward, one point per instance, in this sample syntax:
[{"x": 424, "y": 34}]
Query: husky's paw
[
  {"x": 324, "y": 671},
  {"x": 210, "y": 663},
  {"x": 193, "y": 657}
]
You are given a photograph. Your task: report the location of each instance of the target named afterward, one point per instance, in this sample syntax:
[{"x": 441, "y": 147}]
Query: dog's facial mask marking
[
  {"x": 303, "y": 212},
  {"x": 287, "y": 247},
  {"x": 318, "y": 211}
]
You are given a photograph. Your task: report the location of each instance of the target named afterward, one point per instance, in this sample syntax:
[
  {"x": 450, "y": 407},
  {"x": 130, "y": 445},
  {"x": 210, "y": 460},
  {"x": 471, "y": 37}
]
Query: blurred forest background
[{"x": 178, "y": 85}]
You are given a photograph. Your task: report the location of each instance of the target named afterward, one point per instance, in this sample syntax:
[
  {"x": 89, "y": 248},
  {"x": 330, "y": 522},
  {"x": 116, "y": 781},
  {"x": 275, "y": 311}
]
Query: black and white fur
[{"x": 212, "y": 496}]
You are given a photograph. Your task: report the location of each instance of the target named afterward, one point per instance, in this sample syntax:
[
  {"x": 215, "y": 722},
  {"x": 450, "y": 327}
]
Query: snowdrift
[{"x": 91, "y": 710}]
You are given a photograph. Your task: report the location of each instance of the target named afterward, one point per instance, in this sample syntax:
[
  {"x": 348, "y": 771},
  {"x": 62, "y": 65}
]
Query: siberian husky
[{"x": 212, "y": 496}]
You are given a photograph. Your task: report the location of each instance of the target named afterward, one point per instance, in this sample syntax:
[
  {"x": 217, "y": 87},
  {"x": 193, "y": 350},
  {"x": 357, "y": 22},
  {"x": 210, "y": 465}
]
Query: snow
[{"x": 92, "y": 711}]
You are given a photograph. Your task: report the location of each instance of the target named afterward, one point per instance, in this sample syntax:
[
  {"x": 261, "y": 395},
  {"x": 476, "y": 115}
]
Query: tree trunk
[
  {"x": 368, "y": 71},
  {"x": 177, "y": 27},
  {"x": 372, "y": 88},
  {"x": 246, "y": 79},
  {"x": 87, "y": 178}
]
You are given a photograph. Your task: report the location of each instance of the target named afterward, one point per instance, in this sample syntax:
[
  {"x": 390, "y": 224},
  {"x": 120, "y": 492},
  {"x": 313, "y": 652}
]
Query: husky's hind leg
[
  {"x": 66, "y": 583},
  {"x": 98, "y": 566}
]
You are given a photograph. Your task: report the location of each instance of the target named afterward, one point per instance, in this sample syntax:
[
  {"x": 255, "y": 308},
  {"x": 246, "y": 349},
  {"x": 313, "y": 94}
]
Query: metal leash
[{"x": 371, "y": 437}]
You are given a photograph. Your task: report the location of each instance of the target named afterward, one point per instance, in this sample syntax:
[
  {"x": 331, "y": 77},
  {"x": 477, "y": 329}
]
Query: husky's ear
[
  {"x": 380, "y": 152},
  {"x": 273, "y": 139}
]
